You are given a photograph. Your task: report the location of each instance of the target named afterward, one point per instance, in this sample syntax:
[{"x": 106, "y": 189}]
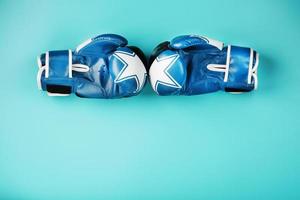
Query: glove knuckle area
[
  {"x": 127, "y": 71},
  {"x": 168, "y": 73}
]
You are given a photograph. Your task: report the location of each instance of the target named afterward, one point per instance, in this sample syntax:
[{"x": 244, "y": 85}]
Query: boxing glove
[
  {"x": 101, "y": 67},
  {"x": 191, "y": 65}
]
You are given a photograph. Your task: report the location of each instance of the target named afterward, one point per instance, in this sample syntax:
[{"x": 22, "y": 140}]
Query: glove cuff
[
  {"x": 241, "y": 69},
  {"x": 55, "y": 72}
]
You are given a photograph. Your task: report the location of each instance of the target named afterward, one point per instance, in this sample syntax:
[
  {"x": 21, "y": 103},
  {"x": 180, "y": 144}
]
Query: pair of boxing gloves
[{"x": 106, "y": 67}]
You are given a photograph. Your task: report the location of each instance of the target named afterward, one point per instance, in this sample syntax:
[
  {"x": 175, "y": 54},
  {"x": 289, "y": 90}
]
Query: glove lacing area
[
  {"x": 45, "y": 68},
  {"x": 252, "y": 69}
]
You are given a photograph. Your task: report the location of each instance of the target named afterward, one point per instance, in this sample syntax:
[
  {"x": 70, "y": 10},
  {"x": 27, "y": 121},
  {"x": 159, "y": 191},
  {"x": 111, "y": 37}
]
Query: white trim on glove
[{"x": 79, "y": 47}]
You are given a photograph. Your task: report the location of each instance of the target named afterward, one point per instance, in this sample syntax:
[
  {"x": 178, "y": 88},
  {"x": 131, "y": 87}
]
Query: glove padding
[
  {"x": 101, "y": 67},
  {"x": 190, "y": 65}
]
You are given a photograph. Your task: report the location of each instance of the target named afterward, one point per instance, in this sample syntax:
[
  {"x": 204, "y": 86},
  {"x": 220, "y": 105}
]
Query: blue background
[{"x": 214, "y": 146}]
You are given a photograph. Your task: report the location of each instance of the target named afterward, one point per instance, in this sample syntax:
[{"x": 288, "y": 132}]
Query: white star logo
[
  {"x": 133, "y": 68},
  {"x": 159, "y": 72}
]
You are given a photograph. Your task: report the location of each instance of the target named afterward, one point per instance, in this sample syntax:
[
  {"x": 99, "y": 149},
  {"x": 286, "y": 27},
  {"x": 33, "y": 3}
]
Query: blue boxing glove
[
  {"x": 191, "y": 65},
  {"x": 101, "y": 67}
]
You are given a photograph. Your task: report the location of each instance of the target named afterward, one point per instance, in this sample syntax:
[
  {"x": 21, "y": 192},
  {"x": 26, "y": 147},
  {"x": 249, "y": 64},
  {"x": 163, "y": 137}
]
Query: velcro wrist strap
[
  {"x": 58, "y": 72},
  {"x": 238, "y": 73}
]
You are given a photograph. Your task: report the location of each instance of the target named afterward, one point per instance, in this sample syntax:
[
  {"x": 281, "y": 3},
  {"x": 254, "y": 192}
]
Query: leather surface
[
  {"x": 189, "y": 72},
  {"x": 114, "y": 69}
]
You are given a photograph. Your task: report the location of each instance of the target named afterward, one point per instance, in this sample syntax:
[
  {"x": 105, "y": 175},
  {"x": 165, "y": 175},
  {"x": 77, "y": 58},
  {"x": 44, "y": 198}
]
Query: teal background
[{"x": 214, "y": 146}]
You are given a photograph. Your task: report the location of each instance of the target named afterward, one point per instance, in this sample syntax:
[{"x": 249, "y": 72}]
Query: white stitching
[{"x": 227, "y": 63}]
